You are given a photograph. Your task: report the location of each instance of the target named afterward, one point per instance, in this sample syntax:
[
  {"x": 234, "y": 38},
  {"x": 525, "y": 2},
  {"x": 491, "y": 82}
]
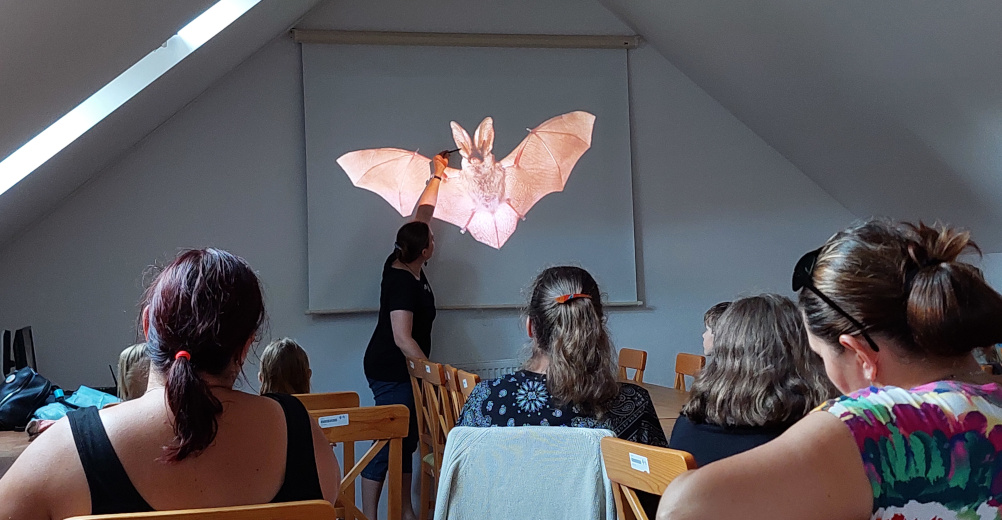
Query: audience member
[
  {"x": 285, "y": 368},
  {"x": 191, "y": 441},
  {"x": 570, "y": 380},
  {"x": 710, "y": 322},
  {"x": 895, "y": 316},
  {"x": 762, "y": 378},
  {"x": 133, "y": 372}
]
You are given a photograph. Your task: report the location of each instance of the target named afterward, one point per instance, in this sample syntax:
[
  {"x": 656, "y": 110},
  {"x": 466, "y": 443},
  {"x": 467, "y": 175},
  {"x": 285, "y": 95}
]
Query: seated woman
[
  {"x": 285, "y": 368},
  {"x": 762, "y": 378},
  {"x": 895, "y": 316},
  {"x": 133, "y": 372},
  {"x": 570, "y": 380},
  {"x": 191, "y": 441}
]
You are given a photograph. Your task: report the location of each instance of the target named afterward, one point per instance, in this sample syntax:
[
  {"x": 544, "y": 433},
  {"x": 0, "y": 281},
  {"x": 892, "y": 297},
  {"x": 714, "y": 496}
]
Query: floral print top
[
  {"x": 521, "y": 399},
  {"x": 931, "y": 452}
]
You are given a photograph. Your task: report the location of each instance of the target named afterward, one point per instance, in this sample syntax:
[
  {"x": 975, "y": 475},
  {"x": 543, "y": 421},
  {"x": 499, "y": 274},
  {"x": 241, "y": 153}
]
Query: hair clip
[{"x": 564, "y": 298}]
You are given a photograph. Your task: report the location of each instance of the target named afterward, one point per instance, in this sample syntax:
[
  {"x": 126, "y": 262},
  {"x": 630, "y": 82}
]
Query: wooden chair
[
  {"x": 428, "y": 383},
  {"x": 328, "y": 400},
  {"x": 687, "y": 365},
  {"x": 381, "y": 424},
  {"x": 306, "y": 510},
  {"x": 632, "y": 466},
  {"x": 460, "y": 384},
  {"x": 635, "y": 359}
]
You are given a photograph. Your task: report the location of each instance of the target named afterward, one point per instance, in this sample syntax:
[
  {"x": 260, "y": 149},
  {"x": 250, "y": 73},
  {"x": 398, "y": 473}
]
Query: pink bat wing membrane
[
  {"x": 454, "y": 204},
  {"x": 493, "y": 229},
  {"x": 399, "y": 176},
  {"x": 543, "y": 161}
]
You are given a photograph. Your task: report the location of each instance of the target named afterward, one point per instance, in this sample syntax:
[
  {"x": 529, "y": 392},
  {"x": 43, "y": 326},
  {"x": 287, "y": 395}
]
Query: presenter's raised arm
[{"x": 429, "y": 197}]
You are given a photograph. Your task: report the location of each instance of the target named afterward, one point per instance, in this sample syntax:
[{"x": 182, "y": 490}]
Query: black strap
[
  {"x": 111, "y": 491},
  {"x": 301, "y": 479}
]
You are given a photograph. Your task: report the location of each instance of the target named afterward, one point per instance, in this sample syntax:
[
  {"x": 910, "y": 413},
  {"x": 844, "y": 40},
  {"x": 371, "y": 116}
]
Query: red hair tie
[
  {"x": 564, "y": 298},
  {"x": 182, "y": 354}
]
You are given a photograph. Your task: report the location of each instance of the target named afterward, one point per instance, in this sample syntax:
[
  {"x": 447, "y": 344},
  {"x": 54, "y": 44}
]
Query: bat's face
[{"x": 477, "y": 150}]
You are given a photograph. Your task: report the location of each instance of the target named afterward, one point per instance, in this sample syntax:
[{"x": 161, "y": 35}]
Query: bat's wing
[
  {"x": 456, "y": 207},
  {"x": 541, "y": 164},
  {"x": 399, "y": 176}
]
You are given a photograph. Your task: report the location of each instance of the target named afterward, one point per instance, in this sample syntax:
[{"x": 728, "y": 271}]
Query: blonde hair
[
  {"x": 285, "y": 368},
  {"x": 133, "y": 372},
  {"x": 582, "y": 369}
]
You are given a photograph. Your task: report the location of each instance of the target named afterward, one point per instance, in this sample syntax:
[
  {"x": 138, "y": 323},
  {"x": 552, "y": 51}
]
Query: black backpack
[{"x": 21, "y": 393}]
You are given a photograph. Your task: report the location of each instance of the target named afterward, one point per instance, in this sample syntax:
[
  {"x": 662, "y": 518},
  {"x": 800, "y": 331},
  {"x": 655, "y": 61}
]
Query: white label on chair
[
  {"x": 336, "y": 420},
  {"x": 426, "y": 368},
  {"x": 465, "y": 384},
  {"x": 639, "y": 463}
]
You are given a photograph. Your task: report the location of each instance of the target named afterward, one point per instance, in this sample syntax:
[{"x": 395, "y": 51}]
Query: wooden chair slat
[{"x": 305, "y": 510}]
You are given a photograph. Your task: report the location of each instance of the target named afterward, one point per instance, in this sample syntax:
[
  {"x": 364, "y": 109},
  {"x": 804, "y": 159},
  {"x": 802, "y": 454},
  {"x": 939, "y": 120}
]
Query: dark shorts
[{"x": 389, "y": 392}]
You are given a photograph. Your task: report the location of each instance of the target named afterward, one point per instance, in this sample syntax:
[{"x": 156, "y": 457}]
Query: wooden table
[
  {"x": 668, "y": 403},
  {"x": 11, "y": 446}
]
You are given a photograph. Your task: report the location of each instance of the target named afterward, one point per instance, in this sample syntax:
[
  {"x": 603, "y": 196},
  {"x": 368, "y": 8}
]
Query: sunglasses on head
[{"x": 803, "y": 278}]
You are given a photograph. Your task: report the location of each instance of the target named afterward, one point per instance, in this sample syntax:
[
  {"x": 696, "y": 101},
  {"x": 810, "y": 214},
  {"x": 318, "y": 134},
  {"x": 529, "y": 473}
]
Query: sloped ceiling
[
  {"x": 55, "y": 53},
  {"x": 892, "y": 107}
]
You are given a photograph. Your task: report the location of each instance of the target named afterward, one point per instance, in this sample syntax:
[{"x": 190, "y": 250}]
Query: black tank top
[{"x": 111, "y": 491}]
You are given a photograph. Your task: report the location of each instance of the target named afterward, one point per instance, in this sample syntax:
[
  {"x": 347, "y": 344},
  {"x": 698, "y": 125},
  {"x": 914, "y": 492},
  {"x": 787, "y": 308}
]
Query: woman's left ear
[
  {"x": 866, "y": 357},
  {"x": 528, "y": 327},
  {"x": 146, "y": 323}
]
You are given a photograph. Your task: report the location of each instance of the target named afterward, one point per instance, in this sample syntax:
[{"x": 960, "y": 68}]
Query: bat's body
[{"x": 486, "y": 197}]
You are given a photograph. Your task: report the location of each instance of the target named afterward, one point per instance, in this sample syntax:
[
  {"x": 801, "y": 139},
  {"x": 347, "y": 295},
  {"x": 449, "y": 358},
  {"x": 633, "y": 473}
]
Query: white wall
[{"x": 718, "y": 212}]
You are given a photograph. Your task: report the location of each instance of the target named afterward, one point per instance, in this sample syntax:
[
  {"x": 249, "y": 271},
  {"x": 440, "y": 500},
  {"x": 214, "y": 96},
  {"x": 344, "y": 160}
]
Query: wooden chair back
[
  {"x": 432, "y": 402},
  {"x": 381, "y": 424},
  {"x": 687, "y": 365},
  {"x": 328, "y": 400},
  {"x": 456, "y": 399},
  {"x": 306, "y": 510},
  {"x": 467, "y": 380},
  {"x": 632, "y": 466},
  {"x": 633, "y": 359}
]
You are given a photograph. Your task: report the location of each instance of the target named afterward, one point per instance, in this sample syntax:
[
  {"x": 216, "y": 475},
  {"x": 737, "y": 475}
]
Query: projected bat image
[{"x": 486, "y": 197}]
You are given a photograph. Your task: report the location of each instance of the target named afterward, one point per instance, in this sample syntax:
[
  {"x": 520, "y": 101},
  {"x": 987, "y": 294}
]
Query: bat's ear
[
  {"x": 484, "y": 136},
  {"x": 463, "y": 141}
]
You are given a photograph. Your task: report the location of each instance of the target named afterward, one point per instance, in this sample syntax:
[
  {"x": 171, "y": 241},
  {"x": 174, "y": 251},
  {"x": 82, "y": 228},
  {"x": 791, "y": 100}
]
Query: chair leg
[{"x": 425, "y": 495}]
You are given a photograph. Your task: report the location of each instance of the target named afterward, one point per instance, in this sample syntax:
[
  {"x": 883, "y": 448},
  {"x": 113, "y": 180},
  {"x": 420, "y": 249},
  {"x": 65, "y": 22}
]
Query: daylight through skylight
[{"x": 68, "y": 128}]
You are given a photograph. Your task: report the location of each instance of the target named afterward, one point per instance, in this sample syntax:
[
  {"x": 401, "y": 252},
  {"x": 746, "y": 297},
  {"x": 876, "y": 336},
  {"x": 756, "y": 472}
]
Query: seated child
[
  {"x": 285, "y": 368},
  {"x": 133, "y": 372},
  {"x": 710, "y": 321}
]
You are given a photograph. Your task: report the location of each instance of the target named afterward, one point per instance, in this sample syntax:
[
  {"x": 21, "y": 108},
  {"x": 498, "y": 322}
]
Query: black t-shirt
[
  {"x": 399, "y": 291},
  {"x": 709, "y": 442}
]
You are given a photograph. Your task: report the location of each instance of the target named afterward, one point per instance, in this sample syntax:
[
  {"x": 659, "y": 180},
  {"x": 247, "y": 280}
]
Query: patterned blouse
[
  {"x": 931, "y": 452},
  {"x": 521, "y": 399}
]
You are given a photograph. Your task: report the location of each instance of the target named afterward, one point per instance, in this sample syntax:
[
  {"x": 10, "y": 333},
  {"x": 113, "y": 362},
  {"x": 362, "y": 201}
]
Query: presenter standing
[{"x": 406, "y": 313}]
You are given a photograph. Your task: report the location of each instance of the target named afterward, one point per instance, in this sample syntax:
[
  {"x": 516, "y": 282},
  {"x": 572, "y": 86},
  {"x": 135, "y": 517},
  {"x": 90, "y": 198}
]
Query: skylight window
[{"x": 68, "y": 128}]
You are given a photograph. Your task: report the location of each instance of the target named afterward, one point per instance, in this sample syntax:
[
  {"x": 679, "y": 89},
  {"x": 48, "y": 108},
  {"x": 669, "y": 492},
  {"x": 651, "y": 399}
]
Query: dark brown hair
[
  {"x": 714, "y": 313},
  {"x": 285, "y": 368},
  {"x": 412, "y": 238},
  {"x": 208, "y": 303},
  {"x": 904, "y": 283},
  {"x": 762, "y": 372},
  {"x": 582, "y": 367}
]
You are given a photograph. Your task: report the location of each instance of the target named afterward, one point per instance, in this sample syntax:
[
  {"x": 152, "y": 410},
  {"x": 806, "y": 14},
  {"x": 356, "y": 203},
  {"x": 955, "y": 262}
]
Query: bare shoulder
[
  {"x": 47, "y": 474},
  {"x": 815, "y": 460}
]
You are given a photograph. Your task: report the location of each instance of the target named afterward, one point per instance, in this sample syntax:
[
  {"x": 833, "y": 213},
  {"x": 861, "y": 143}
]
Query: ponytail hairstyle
[
  {"x": 906, "y": 284},
  {"x": 412, "y": 239},
  {"x": 763, "y": 372},
  {"x": 285, "y": 368},
  {"x": 202, "y": 309},
  {"x": 572, "y": 332}
]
